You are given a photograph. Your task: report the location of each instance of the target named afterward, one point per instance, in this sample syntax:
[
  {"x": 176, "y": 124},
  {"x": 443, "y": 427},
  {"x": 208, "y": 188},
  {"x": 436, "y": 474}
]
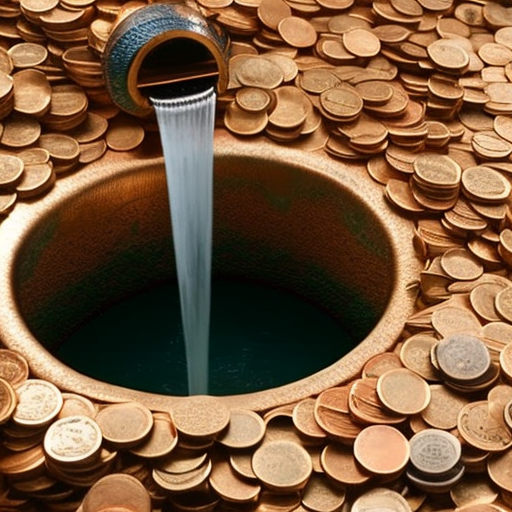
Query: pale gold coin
[
  {"x": 339, "y": 463},
  {"x": 380, "y": 498},
  {"x": 253, "y": 99},
  {"x": 125, "y": 425},
  {"x": 444, "y": 407},
  {"x": 321, "y": 495},
  {"x": 483, "y": 300},
  {"x": 200, "y": 416},
  {"x": 20, "y": 131},
  {"x": 27, "y": 55},
  {"x": 282, "y": 465},
  {"x": 73, "y": 440},
  {"x": 11, "y": 170},
  {"x": 259, "y": 72},
  {"x": 415, "y": 355},
  {"x": 447, "y": 55},
  {"x": 118, "y": 491},
  {"x": 475, "y": 425},
  {"x": 461, "y": 265},
  {"x": 304, "y": 419},
  {"x": 230, "y": 486},
  {"x": 503, "y": 304},
  {"x": 162, "y": 439},
  {"x": 8, "y": 401},
  {"x": 382, "y": 450},
  {"x": 482, "y": 183},
  {"x": 39, "y": 402},
  {"x": 36, "y": 180},
  {"x": 13, "y": 367},
  {"x": 454, "y": 319},
  {"x": 245, "y": 429},
  {"x": 77, "y": 405},
  {"x": 403, "y": 391},
  {"x": 297, "y": 32},
  {"x": 242, "y": 122},
  {"x": 361, "y": 42}
]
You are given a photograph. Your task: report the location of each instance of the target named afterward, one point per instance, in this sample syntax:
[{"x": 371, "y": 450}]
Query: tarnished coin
[
  {"x": 434, "y": 452},
  {"x": 73, "y": 440},
  {"x": 463, "y": 357},
  {"x": 245, "y": 429},
  {"x": 39, "y": 402},
  {"x": 282, "y": 465},
  {"x": 380, "y": 499},
  {"x": 481, "y": 430},
  {"x": 8, "y": 400},
  {"x": 125, "y": 425},
  {"x": 13, "y": 367},
  {"x": 382, "y": 450},
  {"x": 403, "y": 391}
]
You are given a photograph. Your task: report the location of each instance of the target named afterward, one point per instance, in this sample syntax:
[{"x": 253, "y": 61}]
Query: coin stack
[{"x": 435, "y": 465}]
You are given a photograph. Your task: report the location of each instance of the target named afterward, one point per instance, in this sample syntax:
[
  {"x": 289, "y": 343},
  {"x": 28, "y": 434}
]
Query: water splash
[{"x": 186, "y": 126}]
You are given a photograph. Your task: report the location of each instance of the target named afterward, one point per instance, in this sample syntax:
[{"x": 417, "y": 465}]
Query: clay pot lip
[{"x": 23, "y": 220}]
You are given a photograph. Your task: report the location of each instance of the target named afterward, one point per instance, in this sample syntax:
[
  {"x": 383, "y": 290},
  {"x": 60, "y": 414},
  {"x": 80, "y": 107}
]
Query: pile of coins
[{"x": 418, "y": 90}]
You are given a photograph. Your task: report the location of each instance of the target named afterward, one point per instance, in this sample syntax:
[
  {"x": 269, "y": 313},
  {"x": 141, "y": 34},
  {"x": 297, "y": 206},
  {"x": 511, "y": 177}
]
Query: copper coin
[
  {"x": 8, "y": 400},
  {"x": 339, "y": 463},
  {"x": 162, "y": 438},
  {"x": 245, "y": 429},
  {"x": 13, "y": 367},
  {"x": 39, "y": 402}
]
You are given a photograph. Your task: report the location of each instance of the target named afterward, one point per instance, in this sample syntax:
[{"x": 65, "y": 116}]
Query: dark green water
[{"x": 260, "y": 337}]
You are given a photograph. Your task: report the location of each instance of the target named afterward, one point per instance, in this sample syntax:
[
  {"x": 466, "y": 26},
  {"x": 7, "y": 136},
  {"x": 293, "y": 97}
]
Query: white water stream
[{"x": 186, "y": 126}]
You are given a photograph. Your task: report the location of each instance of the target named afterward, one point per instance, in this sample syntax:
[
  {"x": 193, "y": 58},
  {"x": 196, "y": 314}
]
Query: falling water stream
[{"x": 186, "y": 126}]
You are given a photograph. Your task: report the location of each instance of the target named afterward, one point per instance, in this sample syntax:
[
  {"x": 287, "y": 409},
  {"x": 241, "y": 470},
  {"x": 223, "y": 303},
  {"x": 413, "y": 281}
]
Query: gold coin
[
  {"x": 321, "y": 495},
  {"x": 8, "y": 401},
  {"x": 297, "y": 32},
  {"x": 77, "y": 405},
  {"x": 475, "y": 426},
  {"x": 444, "y": 407},
  {"x": 339, "y": 463},
  {"x": 11, "y": 170},
  {"x": 72, "y": 440},
  {"x": 403, "y": 391},
  {"x": 200, "y": 416},
  {"x": 245, "y": 429},
  {"x": 125, "y": 425},
  {"x": 282, "y": 465},
  {"x": 27, "y": 55},
  {"x": 361, "y": 42},
  {"x": 162, "y": 439},
  {"x": 382, "y": 450},
  {"x": 39, "y": 402}
]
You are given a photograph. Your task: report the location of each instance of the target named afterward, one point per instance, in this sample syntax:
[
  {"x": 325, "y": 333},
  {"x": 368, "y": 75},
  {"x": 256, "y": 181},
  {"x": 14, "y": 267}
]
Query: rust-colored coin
[
  {"x": 282, "y": 465},
  {"x": 481, "y": 430},
  {"x": 382, "y": 450},
  {"x": 403, "y": 391},
  {"x": 8, "y": 400},
  {"x": 339, "y": 463},
  {"x": 39, "y": 402},
  {"x": 200, "y": 416},
  {"x": 162, "y": 439},
  {"x": 125, "y": 425},
  {"x": 13, "y": 367},
  {"x": 444, "y": 407},
  {"x": 245, "y": 429},
  {"x": 73, "y": 440}
]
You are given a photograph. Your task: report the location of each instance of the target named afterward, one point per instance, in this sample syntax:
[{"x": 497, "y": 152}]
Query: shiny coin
[
  {"x": 8, "y": 400},
  {"x": 200, "y": 416},
  {"x": 403, "y": 391},
  {"x": 341, "y": 102},
  {"x": 242, "y": 122},
  {"x": 72, "y": 440},
  {"x": 39, "y": 402},
  {"x": 448, "y": 56},
  {"x": 125, "y": 425},
  {"x": 463, "y": 357},
  {"x": 382, "y": 450},
  {"x": 162, "y": 439},
  {"x": 118, "y": 491},
  {"x": 380, "y": 499},
  {"x": 245, "y": 429},
  {"x": 434, "y": 452},
  {"x": 282, "y": 465},
  {"x": 291, "y": 109}
]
